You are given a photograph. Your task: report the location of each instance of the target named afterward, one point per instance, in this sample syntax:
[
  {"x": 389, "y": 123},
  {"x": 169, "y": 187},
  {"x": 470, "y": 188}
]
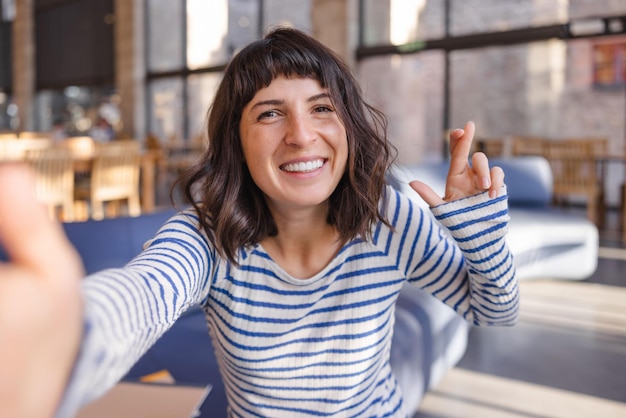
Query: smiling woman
[{"x": 295, "y": 248}]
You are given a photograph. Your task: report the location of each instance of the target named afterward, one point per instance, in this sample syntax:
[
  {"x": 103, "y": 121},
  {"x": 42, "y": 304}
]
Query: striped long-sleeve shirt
[{"x": 289, "y": 347}]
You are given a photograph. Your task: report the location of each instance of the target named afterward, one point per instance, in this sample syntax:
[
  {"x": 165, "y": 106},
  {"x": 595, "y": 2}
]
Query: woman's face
[{"x": 293, "y": 142}]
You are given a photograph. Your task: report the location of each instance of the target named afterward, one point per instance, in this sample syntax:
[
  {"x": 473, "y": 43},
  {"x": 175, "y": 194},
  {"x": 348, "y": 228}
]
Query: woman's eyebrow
[
  {"x": 276, "y": 102},
  {"x": 318, "y": 97},
  {"x": 270, "y": 102}
]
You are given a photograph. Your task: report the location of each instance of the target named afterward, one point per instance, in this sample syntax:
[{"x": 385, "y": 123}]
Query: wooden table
[{"x": 83, "y": 163}]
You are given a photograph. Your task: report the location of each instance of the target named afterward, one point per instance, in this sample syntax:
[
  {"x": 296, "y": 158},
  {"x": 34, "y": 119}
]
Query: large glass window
[
  {"x": 75, "y": 111},
  {"x": 166, "y": 107},
  {"x": 189, "y": 48},
  {"x": 5, "y": 49},
  {"x": 294, "y": 13},
  {"x": 165, "y": 23},
  {"x": 75, "y": 67},
  {"x": 398, "y": 22},
  {"x": 201, "y": 88},
  {"x": 7, "y": 12},
  {"x": 207, "y": 31}
]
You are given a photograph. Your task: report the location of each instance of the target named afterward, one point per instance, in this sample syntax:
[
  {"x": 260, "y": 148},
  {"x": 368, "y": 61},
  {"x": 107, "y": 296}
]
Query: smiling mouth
[{"x": 303, "y": 167}]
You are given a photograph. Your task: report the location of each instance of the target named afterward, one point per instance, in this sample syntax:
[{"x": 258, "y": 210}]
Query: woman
[{"x": 296, "y": 249}]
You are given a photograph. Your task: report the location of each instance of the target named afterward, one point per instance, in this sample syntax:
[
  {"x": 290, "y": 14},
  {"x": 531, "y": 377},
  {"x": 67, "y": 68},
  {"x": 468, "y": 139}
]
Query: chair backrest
[
  {"x": 573, "y": 163},
  {"x": 492, "y": 147},
  {"x": 527, "y": 145},
  {"x": 35, "y": 135},
  {"x": 14, "y": 149},
  {"x": 54, "y": 178},
  {"x": 115, "y": 172},
  {"x": 7, "y": 135}
]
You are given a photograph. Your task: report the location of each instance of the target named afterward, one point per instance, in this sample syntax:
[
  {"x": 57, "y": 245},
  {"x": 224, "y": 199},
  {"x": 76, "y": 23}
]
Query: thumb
[{"x": 426, "y": 193}]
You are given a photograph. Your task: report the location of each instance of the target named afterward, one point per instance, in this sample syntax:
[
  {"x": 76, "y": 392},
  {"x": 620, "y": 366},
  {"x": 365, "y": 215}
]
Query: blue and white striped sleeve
[
  {"x": 127, "y": 309},
  {"x": 468, "y": 264}
]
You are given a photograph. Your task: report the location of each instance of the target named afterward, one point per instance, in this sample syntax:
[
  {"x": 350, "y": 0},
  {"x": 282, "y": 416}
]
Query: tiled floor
[{"x": 565, "y": 358}]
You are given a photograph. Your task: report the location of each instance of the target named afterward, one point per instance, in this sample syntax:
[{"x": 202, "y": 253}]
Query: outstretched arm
[
  {"x": 463, "y": 179},
  {"x": 40, "y": 303}
]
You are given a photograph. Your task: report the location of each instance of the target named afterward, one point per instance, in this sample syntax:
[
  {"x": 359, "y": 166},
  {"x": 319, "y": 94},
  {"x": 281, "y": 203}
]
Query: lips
[{"x": 303, "y": 167}]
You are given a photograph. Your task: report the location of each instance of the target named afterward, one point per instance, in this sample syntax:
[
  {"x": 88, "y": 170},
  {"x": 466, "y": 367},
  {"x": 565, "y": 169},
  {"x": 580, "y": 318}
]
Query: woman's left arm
[{"x": 474, "y": 211}]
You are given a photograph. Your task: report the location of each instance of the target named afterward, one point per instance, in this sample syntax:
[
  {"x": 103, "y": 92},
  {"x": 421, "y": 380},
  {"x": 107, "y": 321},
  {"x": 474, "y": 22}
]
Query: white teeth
[{"x": 303, "y": 167}]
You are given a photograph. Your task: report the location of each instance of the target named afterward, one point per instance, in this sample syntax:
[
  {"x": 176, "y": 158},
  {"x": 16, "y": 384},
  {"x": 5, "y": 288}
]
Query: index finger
[{"x": 460, "y": 149}]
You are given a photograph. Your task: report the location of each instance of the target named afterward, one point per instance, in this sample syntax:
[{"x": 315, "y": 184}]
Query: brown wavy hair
[{"x": 231, "y": 208}]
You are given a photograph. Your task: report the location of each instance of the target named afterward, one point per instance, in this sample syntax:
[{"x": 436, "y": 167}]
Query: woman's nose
[{"x": 301, "y": 131}]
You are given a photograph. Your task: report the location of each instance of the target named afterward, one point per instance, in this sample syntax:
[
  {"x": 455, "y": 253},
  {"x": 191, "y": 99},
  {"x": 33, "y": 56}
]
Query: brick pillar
[
  {"x": 24, "y": 63},
  {"x": 130, "y": 66},
  {"x": 335, "y": 24}
]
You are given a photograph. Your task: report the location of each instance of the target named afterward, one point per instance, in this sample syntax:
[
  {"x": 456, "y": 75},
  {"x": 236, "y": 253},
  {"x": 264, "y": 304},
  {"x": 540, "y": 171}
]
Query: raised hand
[
  {"x": 463, "y": 179},
  {"x": 40, "y": 303}
]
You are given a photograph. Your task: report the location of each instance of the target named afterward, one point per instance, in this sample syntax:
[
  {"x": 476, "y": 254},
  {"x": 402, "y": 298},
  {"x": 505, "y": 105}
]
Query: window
[{"x": 188, "y": 48}]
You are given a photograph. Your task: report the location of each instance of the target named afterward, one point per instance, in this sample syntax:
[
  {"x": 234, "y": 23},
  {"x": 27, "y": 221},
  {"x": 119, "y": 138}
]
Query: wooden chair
[
  {"x": 492, "y": 147},
  {"x": 575, "y": 173},
  {"x": 527, "y": 145},
  {"x": 114, "y": 177},
  {"x": 173, "y": 157},
  {"x": 54, "y": 179}
]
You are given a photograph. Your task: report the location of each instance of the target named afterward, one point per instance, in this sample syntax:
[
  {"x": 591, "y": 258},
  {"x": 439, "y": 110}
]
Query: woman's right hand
[{"x": 40, "y": 302}]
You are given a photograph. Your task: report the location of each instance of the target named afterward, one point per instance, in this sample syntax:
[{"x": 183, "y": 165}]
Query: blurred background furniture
[
  {"x": 54, "y": 180},
  {"x": 172, "y": 157},
  {"x": 526, "y": 145},
  {"x": 7, "y": 135},
  {"x": 14, "y": 149},
  {"x": 34, "y": 135},
  {"x": 81, "y": 147},
  {"x": 114, "y": 177},
  {"x": 492, "y": 147},
  {"x": 575, "y": 172}
]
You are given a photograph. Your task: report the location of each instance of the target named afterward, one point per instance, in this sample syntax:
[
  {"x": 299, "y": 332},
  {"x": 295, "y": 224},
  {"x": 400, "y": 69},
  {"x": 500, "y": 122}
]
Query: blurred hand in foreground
[{"x": 40, "y": 302}]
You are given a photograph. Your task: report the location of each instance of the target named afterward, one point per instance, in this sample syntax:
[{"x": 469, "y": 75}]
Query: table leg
[{"x": 147, "y": 183}]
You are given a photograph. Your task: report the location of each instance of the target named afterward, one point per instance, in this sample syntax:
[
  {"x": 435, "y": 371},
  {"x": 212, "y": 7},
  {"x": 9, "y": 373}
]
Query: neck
[{"x": 304, "y": 245}]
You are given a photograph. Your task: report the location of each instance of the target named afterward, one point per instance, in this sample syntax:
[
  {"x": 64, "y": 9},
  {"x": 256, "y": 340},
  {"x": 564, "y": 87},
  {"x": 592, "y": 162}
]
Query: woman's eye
[
  {"x": 267, "y": 114},
  {"x": 323, "y": 109}
]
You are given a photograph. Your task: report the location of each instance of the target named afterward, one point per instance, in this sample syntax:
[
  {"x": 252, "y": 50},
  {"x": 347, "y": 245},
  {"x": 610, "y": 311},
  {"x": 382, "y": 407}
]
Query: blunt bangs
[{"x": 279, "y": 55}]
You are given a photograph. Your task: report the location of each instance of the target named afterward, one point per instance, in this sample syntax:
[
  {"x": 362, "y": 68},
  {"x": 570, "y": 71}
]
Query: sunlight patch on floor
[
  {"x": 612, "y": 253},
  {"x": 467, "y": 394},
  {"x": 575, "y": 305}
]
